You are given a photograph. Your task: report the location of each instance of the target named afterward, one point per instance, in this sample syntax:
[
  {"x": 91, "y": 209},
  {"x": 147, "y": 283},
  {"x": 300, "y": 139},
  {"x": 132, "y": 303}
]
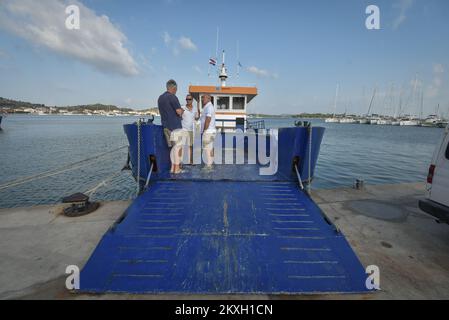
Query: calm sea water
[{"x": 31, "y": 145}]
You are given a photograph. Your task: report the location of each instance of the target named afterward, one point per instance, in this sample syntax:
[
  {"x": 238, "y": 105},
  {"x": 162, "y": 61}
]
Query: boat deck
[
  {"x": 214, "y": 237},
  {"x": 224, "y": 172}
]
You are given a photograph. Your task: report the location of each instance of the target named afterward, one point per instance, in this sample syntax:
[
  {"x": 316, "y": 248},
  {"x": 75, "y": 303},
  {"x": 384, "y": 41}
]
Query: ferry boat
[{"x": 229, "y": 230}]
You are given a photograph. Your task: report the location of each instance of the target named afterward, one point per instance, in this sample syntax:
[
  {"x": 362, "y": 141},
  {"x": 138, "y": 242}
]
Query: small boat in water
[
  {"x": 348, "y": 120},
  {"x": 332, "y": 120},
  {"x": 395, "y": 122},
  {"x": 363, "y": 121},
  {"x": 433, "y": 121},
  {"x": 384, "y": 122},
  {"x": 409, "y": 122}
]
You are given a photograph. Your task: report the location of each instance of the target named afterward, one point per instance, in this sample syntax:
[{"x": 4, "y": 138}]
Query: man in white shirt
[
  {"x": 188, "y": 121},
  {"x": 208, "y": 129}
]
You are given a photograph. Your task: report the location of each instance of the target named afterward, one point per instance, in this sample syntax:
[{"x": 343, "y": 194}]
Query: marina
[{"x": 399, "y": 117}]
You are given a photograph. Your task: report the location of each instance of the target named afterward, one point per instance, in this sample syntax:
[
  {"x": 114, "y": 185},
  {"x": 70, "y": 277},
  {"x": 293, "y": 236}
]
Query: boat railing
[{"x": 256, "y": 124}]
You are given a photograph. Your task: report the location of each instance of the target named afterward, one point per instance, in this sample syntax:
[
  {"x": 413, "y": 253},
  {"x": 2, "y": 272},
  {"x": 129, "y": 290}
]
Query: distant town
[{"x": 8, "y": 106}]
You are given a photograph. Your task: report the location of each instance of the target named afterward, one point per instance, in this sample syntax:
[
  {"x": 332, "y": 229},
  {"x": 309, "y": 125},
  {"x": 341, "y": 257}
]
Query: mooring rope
[
  {"x": 138, "y": 157},
  {"x": 309, "y": 185},
  {"x": 103, "y": 183},
  {"x": 50, "y": 173}
]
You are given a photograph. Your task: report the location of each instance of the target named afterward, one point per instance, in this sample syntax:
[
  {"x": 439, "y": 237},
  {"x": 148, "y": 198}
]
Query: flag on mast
[{"x": 213, "y": 61}]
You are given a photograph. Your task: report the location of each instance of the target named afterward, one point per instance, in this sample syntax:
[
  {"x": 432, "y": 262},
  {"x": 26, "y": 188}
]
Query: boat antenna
[
  {"x": 215, "y": 58},
  {"x": 216, "y": 48},
  {"x": 238, "y": 59},
  {"x": 223, "y": 74}
]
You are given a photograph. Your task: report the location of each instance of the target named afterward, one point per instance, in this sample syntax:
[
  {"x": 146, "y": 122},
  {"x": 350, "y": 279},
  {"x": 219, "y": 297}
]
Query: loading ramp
[{"x": 221, "y": 237}]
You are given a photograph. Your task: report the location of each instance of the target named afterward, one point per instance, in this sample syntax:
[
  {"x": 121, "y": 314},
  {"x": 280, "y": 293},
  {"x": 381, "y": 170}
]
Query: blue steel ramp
[{"x": 225, "y": 237}]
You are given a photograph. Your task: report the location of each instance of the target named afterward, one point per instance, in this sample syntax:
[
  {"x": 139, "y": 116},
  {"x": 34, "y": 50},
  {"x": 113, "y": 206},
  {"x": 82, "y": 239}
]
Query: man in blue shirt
[{"x": 171, "y": 116}]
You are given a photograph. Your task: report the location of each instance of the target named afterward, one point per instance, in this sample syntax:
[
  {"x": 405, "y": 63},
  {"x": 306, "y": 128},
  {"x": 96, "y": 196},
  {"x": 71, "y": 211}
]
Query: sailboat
[
  {"x": 334, "y": 119},
  {"x": 395, "y": 121},
  {"x": 388, "y": 102},
  {"x": 411, "y": 121},
  {"x": 367, "y": 120}
]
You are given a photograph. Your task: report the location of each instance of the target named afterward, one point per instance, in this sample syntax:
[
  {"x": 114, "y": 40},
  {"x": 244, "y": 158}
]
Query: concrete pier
[{"x": 382, "y": 223}]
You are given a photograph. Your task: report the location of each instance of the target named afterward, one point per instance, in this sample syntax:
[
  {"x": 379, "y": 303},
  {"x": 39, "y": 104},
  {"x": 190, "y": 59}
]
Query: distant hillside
[
  {"x": 96, "y": 107},
  {"x": 6, "y": 103},
  {"x": 13, "y": 106}
]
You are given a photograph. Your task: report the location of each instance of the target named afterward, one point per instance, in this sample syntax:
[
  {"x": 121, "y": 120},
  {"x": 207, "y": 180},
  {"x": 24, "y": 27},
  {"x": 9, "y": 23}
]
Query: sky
[{"x": 295, "y": 52}]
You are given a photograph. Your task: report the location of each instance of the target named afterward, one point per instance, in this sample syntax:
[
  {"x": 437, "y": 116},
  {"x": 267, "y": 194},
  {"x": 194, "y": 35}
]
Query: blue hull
[
  {"x": 226, "y": 231},
  {"x": 293, "y": 145},
  {"x": 246, "y": 237}
]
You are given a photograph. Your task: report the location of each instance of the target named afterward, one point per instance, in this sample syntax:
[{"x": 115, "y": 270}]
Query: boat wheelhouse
[{"x": 230, "y": 103}]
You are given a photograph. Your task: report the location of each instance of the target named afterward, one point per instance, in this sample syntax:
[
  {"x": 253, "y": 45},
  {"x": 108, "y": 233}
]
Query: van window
[{"x": 447, "y": 152}]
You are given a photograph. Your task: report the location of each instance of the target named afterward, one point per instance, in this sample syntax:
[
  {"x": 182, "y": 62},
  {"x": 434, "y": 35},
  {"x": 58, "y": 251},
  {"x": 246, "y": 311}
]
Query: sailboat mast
[
  {"x": 371, "y": 102},
  {"x": 414, "y": 91},
  {"x": 336, "y": 98},
  {"x": 398, "y": 113},
  {"x": 422, "y": 105}
]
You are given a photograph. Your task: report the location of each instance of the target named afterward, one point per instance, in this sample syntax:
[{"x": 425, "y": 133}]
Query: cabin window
[
  {"x": 223, "y": 103},
  {"x": 238, "y": 103}
]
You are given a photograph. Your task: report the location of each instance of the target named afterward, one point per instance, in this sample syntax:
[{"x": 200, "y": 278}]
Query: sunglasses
[{"x": 189, "y": 99}]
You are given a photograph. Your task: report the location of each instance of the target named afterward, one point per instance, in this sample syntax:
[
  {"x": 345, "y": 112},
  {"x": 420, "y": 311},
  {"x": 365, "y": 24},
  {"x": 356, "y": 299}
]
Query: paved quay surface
[{"x": 383, "y": 224}]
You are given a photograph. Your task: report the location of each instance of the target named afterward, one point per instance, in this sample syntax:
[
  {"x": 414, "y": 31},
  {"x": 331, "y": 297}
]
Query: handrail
[
  {"x": 149, "y": 176},
  {"x": 299, "y": 177}
]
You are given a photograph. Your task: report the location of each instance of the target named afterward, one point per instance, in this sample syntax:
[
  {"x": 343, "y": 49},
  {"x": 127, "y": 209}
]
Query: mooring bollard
[{"x": 359, "y": 184}]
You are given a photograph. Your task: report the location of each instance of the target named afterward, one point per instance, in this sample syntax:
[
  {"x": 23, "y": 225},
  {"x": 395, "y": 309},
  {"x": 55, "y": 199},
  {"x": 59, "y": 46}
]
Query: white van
[{"x": 437, "y": 202}]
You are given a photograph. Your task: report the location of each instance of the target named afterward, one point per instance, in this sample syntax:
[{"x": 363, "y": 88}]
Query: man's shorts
[
  {"x": 190, "y": 141},
  {"x": 167, "y": 134},
  {"x": 208, "y": 140},
  {"x": 179, "y": 137}
]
